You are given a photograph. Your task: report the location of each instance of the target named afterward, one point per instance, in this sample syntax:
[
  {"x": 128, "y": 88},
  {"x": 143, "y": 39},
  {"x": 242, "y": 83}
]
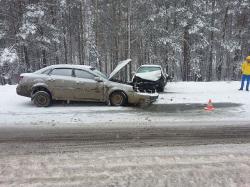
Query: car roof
[
  {"x": 64, "y": 66},
  {"x": 150, "y": 65},
  {"x": 70, "y": 66}
]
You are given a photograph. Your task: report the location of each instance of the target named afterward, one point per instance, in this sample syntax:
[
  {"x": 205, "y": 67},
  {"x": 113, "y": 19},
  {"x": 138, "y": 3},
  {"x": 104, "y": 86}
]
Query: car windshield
[
  {"x": 148, "y": 69},
  {"x": 99, "y": 73}
]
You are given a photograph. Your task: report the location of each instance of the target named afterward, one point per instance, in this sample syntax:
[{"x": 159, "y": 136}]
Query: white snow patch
[
  {"x": 63, "y": 3},
  {"x": 200, "y": 92},
  {"x": 8, "y": 56},
  {"x": 34, "y": 11},
  {"x": 27, "y": 29},
  {"x": 2, "y": 35}
]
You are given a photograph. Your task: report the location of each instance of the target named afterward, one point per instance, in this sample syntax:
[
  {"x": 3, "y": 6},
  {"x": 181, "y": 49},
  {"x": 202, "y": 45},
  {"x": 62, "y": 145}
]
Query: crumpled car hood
[
  {"x": 119, "y": 67},
  {"x": 150, "y": 76}
]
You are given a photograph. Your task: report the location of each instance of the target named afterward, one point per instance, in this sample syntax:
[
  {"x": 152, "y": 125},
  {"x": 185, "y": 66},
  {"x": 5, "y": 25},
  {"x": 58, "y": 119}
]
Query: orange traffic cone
[{"x": 209, "y": 106}]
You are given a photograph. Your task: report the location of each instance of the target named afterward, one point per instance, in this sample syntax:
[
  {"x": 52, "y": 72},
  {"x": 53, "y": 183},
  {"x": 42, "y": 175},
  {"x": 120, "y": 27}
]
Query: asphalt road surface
[
  {"x": 181, "y": 133},
  {"x": 180, "y": 154}
]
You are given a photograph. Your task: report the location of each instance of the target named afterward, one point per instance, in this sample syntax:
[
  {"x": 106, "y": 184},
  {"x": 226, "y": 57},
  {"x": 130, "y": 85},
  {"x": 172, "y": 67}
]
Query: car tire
[
  {"x": 41, "y": 99},
  {"x": 118, "y": 99}
]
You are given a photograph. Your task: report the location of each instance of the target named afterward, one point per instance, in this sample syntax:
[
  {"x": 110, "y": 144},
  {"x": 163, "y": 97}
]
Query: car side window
[
  {"x": 62, "y": 72},
  {"x": 83, "y": 74}
]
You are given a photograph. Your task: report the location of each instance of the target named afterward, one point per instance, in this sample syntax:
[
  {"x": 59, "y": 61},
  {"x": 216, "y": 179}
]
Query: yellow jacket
[{"x": 245, "y": 68}]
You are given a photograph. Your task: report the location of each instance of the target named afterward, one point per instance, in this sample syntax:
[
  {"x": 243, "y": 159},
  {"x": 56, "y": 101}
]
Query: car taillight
[{"x": 20, "y": 78}]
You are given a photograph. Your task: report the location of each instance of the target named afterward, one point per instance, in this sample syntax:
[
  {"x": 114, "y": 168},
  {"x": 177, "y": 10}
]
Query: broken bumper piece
[{"x": 147, "y": 98}]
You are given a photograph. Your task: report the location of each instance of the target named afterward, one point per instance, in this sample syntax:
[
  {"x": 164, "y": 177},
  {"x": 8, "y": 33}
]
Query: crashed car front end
[
  {"x": 146, "y": 85},
  {"x": 134, "y": 97},
  {"x": 140, "y": 98},
  {"x": 149, "y": 78}
]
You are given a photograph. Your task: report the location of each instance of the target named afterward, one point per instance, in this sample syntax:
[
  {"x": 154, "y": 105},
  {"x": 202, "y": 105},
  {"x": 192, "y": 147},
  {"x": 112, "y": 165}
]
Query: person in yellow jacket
[{"x": 245, "y": 73}]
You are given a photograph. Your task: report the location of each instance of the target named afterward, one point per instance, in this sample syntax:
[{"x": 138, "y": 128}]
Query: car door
[
  {"x": 61, "y": 83},
  {"x": 87, "y": 88}
]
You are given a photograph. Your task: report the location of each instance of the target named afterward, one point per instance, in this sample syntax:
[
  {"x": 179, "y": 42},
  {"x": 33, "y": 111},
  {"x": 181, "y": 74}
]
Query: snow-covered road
[
  {"x": 181, "y": 101},
  {"x": 166, "y": 144},
  {"x": 190, "y": 166}
]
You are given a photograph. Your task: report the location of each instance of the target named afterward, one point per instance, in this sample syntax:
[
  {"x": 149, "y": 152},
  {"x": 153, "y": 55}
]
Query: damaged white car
[
  {"x": 79, "y": 83},
  {"x": 150, "y": 78}
]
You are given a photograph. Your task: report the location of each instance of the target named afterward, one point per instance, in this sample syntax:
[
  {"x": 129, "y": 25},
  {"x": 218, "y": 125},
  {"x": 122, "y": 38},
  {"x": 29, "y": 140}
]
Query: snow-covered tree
[{"x": 199, "y": 40}]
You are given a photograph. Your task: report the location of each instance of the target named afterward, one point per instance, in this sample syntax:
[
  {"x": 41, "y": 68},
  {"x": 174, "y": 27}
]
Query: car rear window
[
  {"x": 83, "y": 74},
  {"x": 46, "y": 71},
  {"x": 62, "y": 72}
]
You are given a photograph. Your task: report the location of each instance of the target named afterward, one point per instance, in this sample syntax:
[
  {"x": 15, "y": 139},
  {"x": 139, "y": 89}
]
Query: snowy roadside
[
  {"x": 200, "y": 92},
  {"x": 69, "y": 163},
  {"x": 176, "y": 104}
]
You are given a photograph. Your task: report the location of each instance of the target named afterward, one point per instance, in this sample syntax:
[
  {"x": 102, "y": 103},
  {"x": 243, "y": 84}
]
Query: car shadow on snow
[
  {"x": 76, "y": 104},
  {"x": 153, "y": 108},
  {"x": 175, "y": 108},
  {"x": 187, "y": 108},
  {"x": 65, "y": 104}
]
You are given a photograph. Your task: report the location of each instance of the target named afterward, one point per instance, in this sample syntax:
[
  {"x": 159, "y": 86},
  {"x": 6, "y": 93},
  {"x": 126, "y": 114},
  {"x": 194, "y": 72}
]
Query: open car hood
[
  {"x": 151, "y": 76},
  {"x": 120, "y": 65}
]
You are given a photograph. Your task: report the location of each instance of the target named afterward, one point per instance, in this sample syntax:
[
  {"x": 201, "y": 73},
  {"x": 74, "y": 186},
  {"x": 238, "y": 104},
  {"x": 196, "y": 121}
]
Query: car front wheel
[
  {"x": 118, "y": 99},
  {"x": 41, "y": 99}
]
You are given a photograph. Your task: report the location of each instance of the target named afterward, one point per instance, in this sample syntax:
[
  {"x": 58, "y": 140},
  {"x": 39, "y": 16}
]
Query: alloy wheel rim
[
  {"x": 117, "y": 99},
  {"x": 42, "y": 100}
]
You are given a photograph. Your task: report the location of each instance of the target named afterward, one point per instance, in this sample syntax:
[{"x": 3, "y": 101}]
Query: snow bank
[{"x": 201, "y": 92}]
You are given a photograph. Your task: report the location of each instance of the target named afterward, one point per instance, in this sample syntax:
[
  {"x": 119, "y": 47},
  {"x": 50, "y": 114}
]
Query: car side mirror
[{"x": 98, "y": 79}]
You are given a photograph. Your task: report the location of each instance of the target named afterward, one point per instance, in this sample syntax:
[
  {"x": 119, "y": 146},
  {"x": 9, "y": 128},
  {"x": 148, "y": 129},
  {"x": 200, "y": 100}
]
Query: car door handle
[{"x": 51, "y": 79}]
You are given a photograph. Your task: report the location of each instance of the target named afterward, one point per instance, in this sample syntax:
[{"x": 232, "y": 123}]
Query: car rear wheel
[
  {"x": 41, "y": 99},
  {"x": 118, "y": 99}
]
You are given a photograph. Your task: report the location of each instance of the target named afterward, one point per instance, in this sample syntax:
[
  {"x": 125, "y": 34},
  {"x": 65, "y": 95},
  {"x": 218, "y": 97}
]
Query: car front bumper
[
  {"x": 141, "y": 98},
  {"x": 143, "y": 85}
]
